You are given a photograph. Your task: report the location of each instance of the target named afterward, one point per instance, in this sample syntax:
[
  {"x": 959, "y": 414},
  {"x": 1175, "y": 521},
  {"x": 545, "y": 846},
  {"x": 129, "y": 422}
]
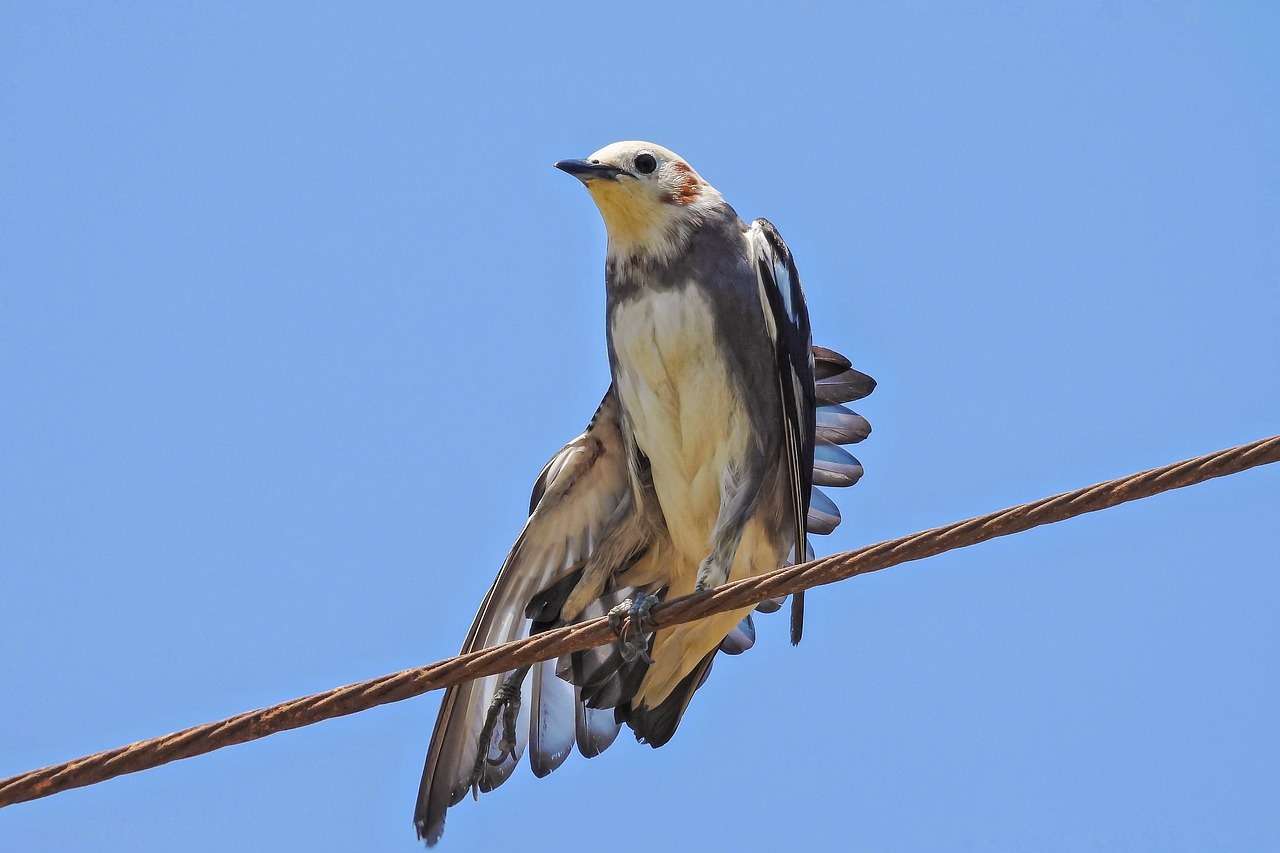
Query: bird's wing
[
  {"x": 836, "y": 382},
  {"x": 581, "y": 493},
  {"x": 787, "y": 321}
]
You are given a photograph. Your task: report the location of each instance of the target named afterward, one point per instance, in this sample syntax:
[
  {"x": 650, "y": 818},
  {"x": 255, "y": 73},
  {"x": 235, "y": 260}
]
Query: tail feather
[
  {"x": 551, "y": 719},
  {"x": 835, "y": 382},
  {"x": 741, "y": 638},
  {"x": 598, "y": 675},
  {"x": 824, "y": 515},
  {"x": 834, "y": 466},
  {"x": 655, "y": 726},
  {"x": 771, "y": 605},
  {"x": 838, "y": 425},
  {"x": 828, "y": 362},
  {"x": 797, "y": 600},
  {"x": 595, "y": 729},
  {"x": 601, "y": 674}
]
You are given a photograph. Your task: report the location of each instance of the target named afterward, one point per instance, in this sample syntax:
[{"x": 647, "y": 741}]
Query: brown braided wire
[{"x": 340, "y": 701}]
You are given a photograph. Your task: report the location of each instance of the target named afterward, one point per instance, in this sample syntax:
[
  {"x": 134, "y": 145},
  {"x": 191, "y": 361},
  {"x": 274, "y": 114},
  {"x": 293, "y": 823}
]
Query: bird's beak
[{"x": 586, "y": 171}]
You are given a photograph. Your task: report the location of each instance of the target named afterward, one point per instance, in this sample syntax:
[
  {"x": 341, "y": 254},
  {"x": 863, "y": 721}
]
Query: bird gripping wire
[{"x": 408, "y": 683}]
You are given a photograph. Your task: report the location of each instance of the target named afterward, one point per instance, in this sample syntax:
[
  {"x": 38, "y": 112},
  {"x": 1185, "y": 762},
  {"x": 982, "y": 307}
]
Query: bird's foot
[
  {"x": 631, "y": 621},
  {"x": 507, "y": 698},
  {"x": 710, "y": 576},
  {"x": 505, "y": 707}
]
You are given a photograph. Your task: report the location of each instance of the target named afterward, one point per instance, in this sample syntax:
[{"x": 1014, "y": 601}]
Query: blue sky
[{"x": 293, "y": 307}]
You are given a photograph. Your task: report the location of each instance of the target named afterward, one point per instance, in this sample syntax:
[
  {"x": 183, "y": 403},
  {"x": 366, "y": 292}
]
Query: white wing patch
[{"x": 786, "y": 286}]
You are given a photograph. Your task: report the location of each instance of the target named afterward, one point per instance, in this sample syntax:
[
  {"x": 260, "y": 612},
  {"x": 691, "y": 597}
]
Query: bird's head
[{"x": 649, "y": 196}]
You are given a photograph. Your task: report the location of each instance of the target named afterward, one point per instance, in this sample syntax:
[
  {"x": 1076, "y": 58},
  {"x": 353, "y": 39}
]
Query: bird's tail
[{"x": 655, "y": 726}]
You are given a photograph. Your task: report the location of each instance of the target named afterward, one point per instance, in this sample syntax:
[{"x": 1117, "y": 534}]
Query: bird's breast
[{"x": 681, "y": 403}]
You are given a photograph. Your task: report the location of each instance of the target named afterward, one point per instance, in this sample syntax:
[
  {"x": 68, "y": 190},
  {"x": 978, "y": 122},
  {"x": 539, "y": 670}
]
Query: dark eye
[{"x": 645, "y": 163}]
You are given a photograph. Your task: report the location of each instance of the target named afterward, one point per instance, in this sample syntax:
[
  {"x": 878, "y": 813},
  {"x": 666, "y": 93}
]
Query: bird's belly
[{"x": 683, "y": 408}]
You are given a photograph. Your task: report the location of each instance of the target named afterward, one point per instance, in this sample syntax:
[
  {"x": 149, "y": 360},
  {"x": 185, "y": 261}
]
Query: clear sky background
[{"x": 293, "y": 308}]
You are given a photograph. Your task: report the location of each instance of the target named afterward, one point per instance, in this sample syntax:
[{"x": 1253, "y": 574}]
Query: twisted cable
[{"x": 408, "y": 683}]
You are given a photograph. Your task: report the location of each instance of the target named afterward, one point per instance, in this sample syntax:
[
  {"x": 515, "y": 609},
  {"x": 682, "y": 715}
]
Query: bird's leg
[
  {"x": 739, "y": 493},
  {"x": 711, "y": 573},
  {"x": 631, "y": 621},
  {"x": 506, "y": 701},
  {"x": 714, "y": 569}
]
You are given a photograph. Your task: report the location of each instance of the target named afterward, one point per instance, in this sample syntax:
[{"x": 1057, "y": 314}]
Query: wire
[{"x": 363, "y": 695}]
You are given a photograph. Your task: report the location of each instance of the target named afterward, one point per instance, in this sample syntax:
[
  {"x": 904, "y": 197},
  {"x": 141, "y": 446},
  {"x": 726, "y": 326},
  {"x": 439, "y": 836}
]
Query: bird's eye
[{"x": 645, "y": 163}]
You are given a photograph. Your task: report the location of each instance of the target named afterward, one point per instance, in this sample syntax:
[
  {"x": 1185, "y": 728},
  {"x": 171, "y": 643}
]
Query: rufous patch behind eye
[{"x": 688, "y": 187}]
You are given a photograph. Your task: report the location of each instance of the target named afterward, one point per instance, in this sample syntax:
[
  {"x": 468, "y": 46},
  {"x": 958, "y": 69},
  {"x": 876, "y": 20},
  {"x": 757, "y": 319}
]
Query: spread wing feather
[{"x": 581, "y": 492}]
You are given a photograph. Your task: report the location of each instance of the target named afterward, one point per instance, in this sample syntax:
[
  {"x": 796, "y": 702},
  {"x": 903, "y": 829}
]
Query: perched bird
[{"x": 698, "y": 467}]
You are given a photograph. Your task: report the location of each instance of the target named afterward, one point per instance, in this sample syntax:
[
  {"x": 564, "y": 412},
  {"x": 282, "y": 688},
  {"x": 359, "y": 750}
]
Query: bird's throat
[{"x": 635, "y": 221}]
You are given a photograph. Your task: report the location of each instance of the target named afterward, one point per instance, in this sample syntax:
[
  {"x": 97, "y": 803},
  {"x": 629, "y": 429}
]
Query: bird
[{"x": 699, "y": 466}]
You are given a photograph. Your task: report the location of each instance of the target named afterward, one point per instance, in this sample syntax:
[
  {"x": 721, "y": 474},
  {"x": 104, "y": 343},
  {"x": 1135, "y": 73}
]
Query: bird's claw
[
  {"x": 507, "y": 697},
  {"x": 631, "y": 621},
  {"x": 506, "y": 703}
]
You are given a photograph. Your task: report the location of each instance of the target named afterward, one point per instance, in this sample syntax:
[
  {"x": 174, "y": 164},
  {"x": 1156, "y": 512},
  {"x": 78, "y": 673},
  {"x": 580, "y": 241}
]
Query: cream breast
[{"x": 685, "y": 413}]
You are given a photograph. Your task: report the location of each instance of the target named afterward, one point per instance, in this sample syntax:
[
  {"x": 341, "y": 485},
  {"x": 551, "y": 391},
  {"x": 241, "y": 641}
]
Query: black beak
[{"x": 586, "y": 170}]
